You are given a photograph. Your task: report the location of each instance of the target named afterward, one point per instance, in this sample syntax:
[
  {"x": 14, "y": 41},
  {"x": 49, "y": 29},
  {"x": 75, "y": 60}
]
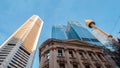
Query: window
[
  {"x": 90, "y": 54},
  {"x": 46, "y": 66},
  {"x": 1, "y": 60},
  {"x": 48, "y": 55},
  {"x": 81, "y": 55},
  {"x": 62, "y": 65},
  {"x": 11, "y": 44},
  {"x": 85, "y": 39},
  {"x": 108, "y": 66},
  {"x": 87, "y": 66},
  {"x": 8, "y": 67},
  {"x": 60, "y": 53},
  {"x": 75, "y": 66},
  {"x": 100, "y": 57},
  {"x": 94, "y": 40},
  {"x": 97, "y": 65},
  {"x": 71, "y": 53}
]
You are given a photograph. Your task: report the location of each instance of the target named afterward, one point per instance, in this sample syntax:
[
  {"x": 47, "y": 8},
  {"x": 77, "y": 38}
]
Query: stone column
[
  {"x": 89, "y": 59},
  {"x": 55, "y": 58},
  {"x": 68, "y": 60},
  {"x": 102, "y": 57},
  {"x": 93, "y": 56},
  {"x": 42, "y": 61},
  {"x": 74, "y": 53},
  {"x": 84, "y": 55},
  {"x": 103, "y": 66},
  {"x": 80, "y": 65},
  {"x": 51, "y": 65},
  {"x": 63, "y": 52}
]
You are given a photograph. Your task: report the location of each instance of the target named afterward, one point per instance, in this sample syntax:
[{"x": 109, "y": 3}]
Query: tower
[
  {"x": 59, "y": 32},
  {"x": 76, "y": 31},
  {"x": 91, "y": 24},
  {"x": 112, "y": 49},
  {"x": 19, "y": 50},
  {"x": 73, "y": 30}
]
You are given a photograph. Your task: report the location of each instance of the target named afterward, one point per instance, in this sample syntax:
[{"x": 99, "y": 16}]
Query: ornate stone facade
[{"x": 72, "y": 54}]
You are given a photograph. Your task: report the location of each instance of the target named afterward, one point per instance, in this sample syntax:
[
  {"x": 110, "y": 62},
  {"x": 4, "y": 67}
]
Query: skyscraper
[
  {"x": 59, "y": 32},
  {"x": 19, "y": 50},
  {"x": 74, "y": 30}
]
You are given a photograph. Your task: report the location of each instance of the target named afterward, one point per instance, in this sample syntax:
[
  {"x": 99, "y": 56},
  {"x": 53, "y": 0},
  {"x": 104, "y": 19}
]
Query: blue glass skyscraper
[
  {"x": 74, "y": 30},
  {"x": 59, "y": 32}
]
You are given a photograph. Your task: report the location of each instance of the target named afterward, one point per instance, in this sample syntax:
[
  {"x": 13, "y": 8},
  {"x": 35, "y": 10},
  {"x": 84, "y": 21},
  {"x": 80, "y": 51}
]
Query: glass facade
[
  {"x": 104, "y": 40},
  {"x": 73, "y": 30},
  {"x": 59, "y": 32},
  {"x": 76, "y": 31}
]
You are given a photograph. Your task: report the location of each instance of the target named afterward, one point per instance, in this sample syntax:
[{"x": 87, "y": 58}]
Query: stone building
[{"x": 72, "y": 53}]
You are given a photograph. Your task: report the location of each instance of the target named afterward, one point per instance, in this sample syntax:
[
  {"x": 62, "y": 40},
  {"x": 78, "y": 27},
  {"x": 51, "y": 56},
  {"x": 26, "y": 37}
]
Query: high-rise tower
[
  {"x": 59, "y": 32},
  {"x": 106, "y": 39},
  {"x": 73, "y": 30},
  {"x": 19, "y": 50},
  {"x": 76, "y": 31}
]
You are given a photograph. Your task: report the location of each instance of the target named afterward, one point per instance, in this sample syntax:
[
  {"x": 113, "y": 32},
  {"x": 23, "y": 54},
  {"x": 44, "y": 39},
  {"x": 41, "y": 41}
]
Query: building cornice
[{"x": 70, "y": 41}]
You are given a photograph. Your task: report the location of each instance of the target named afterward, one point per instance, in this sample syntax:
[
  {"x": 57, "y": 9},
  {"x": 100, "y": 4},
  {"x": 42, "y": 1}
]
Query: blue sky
[{"x": 13, "y": 13}]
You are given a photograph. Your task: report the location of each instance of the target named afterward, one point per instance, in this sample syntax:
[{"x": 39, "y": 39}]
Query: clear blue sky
[{"x": 13, "y": 13}]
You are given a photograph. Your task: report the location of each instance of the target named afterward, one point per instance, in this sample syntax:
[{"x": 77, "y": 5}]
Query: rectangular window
[
  {"x": 91, "y": 56},
  {"x": 62, "y": 65},
  {"x": 85, "y": 39},
  {"x": 97, "y": 65},
  {"x": 60, "y": 53},
  {"x": 75, "y": 66},
  {"x": 11, "y": 44},
  {"x": 108, "y": 66},
  {"x": 71, "y": 53},
  {"x": 86, "y": 66},
  {"x": 1, "y": 60},
  {"x": 81, "y": 55},
  {"x": 48, "y": 55},
  {"x": 100, "y": 57},
  {"x": 46, "y": 66},
  {"x": 9, "y": 67},
  {"x": 94, "y": 40}
]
